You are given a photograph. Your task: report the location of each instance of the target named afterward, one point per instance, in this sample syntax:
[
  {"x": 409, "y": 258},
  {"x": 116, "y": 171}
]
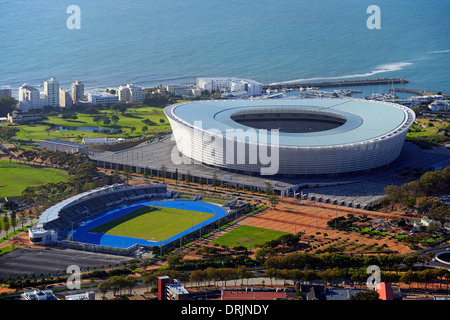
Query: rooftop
[{"x": 366, "y": 120}]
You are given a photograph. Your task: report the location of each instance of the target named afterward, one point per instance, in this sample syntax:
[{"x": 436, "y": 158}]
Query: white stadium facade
[{"x": 289, "y": 137}]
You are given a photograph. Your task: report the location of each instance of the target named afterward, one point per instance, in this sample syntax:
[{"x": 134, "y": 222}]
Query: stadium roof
[{"x": 366, "y": 120}]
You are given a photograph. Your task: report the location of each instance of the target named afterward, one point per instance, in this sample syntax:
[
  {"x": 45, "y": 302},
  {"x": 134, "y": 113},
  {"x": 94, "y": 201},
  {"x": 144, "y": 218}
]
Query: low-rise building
[
  {"x": 250, "y": 295},
  {"x": 184, "y": 90},
  {"x": 252, "y": 87},
  {"x": 171, "y": 289},
  {"x": 131, "y": 93},
  {"x": 102, "y": 98},
  {"x": 99, "y": 141},
  {"x": 81, "y": 296},
  {"x": 17, "y": 117},
  {"x": 38, "y": 295},
  {"x": 439, "y": 105},
  {"x": 63, "y": 146}
]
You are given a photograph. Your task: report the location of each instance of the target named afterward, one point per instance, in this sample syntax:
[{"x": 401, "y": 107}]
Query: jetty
[
  {"x": 420, "y": 92},
  {"x": 335, "y": 84}
]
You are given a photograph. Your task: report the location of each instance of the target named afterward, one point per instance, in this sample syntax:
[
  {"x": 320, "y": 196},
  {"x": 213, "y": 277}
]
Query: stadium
[
  {"x": 118, "y": 219},
  {"x": 302, "y": 137}
]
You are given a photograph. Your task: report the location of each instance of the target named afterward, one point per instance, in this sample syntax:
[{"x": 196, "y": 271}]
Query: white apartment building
[
  {"x": 102, "y": 98},
  {"x": 29, "y": 97},
  {"x": 77, "y": 91},
  {"x": 439, "y": 105},
  {"x": 131, "y": 93},
  {"x": 65, "y": 98},
  {"x": 184, "y": 90},
  {"x": 5, "y": 92},
  {"x": 252, "y": 87},
  {"x": 51, "y": 92}
]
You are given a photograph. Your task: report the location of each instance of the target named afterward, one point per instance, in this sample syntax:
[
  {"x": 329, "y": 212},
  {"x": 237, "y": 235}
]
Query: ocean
[{"x": 153, "y": 42}]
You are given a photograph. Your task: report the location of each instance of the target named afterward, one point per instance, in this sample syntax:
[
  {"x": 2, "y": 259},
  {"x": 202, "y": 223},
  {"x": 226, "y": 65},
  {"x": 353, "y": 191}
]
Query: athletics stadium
[
  {"x": 290, "y": 137},
  {"x": 121, "y": 217}
]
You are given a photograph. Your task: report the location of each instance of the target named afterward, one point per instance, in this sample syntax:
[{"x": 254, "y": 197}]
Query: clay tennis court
[{"x": 311, "y": 218}]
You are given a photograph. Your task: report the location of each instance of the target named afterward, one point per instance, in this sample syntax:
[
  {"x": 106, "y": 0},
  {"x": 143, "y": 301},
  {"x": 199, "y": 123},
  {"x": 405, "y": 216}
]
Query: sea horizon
[{"x": 151, "y": 43}]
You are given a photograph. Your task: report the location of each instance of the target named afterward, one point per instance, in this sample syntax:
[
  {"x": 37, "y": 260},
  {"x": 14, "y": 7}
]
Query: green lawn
[
  {"x": 153, "y": 223},
  {"x": 132, "y": 118},
  {"x": 242, "y": 235},
  {"x": 15, "y": 177},
  {"x": 428, "y": 131}
]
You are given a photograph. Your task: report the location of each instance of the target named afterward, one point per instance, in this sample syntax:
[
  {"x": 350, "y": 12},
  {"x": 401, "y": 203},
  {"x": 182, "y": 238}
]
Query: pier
[
  {"x": 336, "y": 84},
  {"x": 420, "y": 92}
]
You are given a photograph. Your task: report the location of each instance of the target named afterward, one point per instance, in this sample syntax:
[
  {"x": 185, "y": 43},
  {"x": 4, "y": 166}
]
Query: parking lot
[{"x": 28, "y": 262}]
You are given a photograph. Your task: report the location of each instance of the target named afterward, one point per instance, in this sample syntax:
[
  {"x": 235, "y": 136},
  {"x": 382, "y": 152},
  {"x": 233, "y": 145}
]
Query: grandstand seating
[{"x": 95, "y": 203}]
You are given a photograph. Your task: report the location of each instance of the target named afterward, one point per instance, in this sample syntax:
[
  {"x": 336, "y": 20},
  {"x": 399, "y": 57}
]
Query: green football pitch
[
  {"x": 153, "y": 223},
  {"x": 248, "y": 236},
  {"x": 15, "y": 177}
]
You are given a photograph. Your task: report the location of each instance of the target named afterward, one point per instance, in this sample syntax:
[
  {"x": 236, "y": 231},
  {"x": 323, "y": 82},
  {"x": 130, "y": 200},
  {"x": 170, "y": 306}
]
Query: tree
[
  {"x": 13, "y": 220},
  {"x": 271, "y": 273},
  {"x": 146, "y": 172},
  {"x": 130, "y": 283},
  {"x": 6, "y": 224},
  {"x": 150, "y": 279},
  {"x": 114, "y": 118},
  {"x": 119, "y": 107},
  {"x": 103, "y": 288},
  {"x": 211, "y": 275},
  {"x": 6, "y": 133},
  {"x": 174, "y": 259},
  {"x": 273, "y": 199},
  {"x": 132, "y": 129},
  {"x": 197, "y": 276},
  {"x": 366, "y": 295},
  {"x": 97, "y": 119},
  {"x": 214, "y": 181},
  {"x": 7, "y": 105},
  {"x": 188, "y": 177},
  {"x": 163, "y": 172}
]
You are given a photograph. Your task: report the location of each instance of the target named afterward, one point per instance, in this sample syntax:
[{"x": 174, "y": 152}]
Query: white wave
[
  {"x": 389, "y": 67},
  {"x": 440, "y": 51}
]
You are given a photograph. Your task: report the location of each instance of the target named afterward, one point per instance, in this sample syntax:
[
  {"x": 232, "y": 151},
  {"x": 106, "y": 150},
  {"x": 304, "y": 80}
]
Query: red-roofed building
[
  {"x": 385, "y": 291},
  {"x": 254, "y": 295}
]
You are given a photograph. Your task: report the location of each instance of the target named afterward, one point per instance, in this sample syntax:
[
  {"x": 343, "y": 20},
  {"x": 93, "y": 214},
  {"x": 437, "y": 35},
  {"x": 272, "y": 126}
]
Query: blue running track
[{"x": 82, "y": 234}]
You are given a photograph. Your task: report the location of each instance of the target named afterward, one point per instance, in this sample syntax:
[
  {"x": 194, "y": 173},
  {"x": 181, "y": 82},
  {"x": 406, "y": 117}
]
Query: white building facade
[
  {"x": 51, "y": 92},
  {"x": 102, "y": 98},
  {"x": 77, "y": 91},
  {"x": 29, "y": 97},
  {"x": 131, "y": 93},
  {"x": 65, "y": 99},
  {"x": 253, "y": 88}
]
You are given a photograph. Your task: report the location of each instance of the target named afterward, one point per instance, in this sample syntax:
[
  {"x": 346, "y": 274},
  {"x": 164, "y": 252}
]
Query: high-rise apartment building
[
  {"x": 65, "y": 98},
  {"x": 51, "y": 92},
  {"x": 29, "y": 97},
  {"x": 77, "y": 91}
]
